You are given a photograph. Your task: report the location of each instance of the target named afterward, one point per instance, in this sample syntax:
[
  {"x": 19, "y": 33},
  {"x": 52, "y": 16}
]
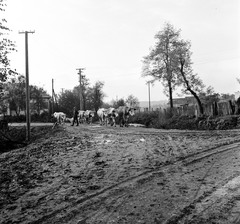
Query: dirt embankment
[{"x": 92, "y": 174}]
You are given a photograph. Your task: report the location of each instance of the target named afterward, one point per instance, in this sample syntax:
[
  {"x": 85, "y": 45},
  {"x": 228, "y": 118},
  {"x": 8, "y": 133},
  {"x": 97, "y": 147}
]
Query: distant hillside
[{"x": 154, "y": 104}]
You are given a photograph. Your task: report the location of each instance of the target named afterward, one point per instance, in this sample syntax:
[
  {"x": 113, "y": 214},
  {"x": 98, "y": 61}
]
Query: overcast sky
[{"x": 110, "y": 38}]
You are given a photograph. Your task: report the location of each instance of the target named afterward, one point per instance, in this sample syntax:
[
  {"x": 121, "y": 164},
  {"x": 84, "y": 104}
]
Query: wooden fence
[{"x": 220, "y": 108}]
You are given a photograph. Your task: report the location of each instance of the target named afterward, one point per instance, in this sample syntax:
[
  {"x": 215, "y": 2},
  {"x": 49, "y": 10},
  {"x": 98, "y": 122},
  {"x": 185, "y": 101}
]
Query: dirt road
[{"x": 93, "y": 174}]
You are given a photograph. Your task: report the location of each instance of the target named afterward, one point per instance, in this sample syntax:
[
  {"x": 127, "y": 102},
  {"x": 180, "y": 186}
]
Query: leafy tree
[
  {"x": 118, "y": 103},
  {"x": 84, "y": 88},
  {"x": 95, "y": 96},
  {"x": 92, "y": 97},
  {"x": 15, "y": 95},
  {"x": 6, "y": 46},
  {"x": 132, "y": 101},
  {"x": 36, "y": 95},
  {"x": 67, "y": 100},
  {"x": 106, "y": 105},
  {"x": 159, "y": 64},
  {"x": 170, "y": 62}
]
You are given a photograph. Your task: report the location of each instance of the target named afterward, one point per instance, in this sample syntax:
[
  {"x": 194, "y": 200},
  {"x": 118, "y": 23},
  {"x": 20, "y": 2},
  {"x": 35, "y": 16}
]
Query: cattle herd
[{"x": 105, "y": 116}]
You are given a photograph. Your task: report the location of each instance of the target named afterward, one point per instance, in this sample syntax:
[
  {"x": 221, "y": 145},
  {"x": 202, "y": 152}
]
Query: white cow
[
  {"x": 81, "y": 116},
  {"x": 102, "y": 115},
  {"x": 60, "y": 117},
  {"x": 107, "y": 116}
]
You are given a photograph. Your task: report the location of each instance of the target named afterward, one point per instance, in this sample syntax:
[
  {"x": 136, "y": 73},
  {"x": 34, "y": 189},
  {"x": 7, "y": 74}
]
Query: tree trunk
[
  {"x": 231, "y": 106},
  {"x": 201, "y": 110},
  {"x": 170, "y": 88},
  {"x": 170, "y": 94}
]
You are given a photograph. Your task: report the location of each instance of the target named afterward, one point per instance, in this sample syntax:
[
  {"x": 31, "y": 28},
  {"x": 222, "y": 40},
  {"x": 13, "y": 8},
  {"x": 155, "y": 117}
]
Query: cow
[
  {"x": 111, "y": 116},
  {"x": 102, "y": 115},
  {"x": 69, "y": 119},
  {"x": 124, "y": 113},
  {"x": 81, "y": 116},
  {"x": 60, "y": 117},
  {"x": 89, "y": 116}
]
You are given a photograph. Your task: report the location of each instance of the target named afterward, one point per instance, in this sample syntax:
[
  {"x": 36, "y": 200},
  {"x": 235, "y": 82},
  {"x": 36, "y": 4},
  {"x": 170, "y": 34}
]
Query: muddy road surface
[{"x": 93, "y": 174}]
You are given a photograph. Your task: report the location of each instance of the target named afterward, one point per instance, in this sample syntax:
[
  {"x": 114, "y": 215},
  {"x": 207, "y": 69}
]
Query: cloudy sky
[{"x": 109, "y": 38}]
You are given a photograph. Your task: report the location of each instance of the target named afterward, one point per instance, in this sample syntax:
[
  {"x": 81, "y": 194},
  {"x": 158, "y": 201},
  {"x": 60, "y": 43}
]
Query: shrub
[
  {"x": 146, "y": 118},
  {"x": 167, "y": 119}
]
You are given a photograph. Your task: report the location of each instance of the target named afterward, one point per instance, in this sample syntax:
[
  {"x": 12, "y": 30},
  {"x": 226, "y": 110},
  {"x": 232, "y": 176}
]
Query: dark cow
[
  {"x": 111, "y": 116},
  {"x": 89, "y": 114},
  {"x": 124, "y": 113}
]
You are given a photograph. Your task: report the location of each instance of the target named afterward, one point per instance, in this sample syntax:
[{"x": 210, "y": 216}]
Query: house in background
[
  {"x": 188, "y": 100},
  {"x": 154, "y": 105},
  {"x": 44, "y": 107},
  {"x": 185, "y": 105},
  {"x": 224, "y": 105}
]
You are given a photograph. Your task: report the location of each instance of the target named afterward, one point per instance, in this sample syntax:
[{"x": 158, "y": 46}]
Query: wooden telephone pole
[
  {"x": 80, "y": 87},
  {"x": 27, "y": 85},
  {"x": 52, "y": 96},
  {"x": 149, "y": 98}
]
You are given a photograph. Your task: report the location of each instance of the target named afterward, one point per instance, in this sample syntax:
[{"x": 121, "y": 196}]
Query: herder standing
[{"x": 75, "y": 116}]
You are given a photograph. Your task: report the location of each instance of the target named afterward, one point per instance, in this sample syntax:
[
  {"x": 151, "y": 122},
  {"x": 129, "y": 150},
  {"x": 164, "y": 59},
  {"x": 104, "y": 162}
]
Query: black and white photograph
[{"x": 120, "y": 112}]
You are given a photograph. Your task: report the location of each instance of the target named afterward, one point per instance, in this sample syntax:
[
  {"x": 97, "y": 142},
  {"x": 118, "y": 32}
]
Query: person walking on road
[{"x": 75, "y": 116}]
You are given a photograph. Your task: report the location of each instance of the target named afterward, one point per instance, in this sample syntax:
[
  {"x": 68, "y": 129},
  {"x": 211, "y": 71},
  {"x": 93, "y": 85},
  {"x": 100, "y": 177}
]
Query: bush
[
  {"x": 165, "y": 120},
  {"x": 181, "y": 122},
  {"x": 11, "y": 119},
  {"x": 170, "y": 120},
  {"x": 44, "y": 117},
  {"x": 146, "y": 118}
]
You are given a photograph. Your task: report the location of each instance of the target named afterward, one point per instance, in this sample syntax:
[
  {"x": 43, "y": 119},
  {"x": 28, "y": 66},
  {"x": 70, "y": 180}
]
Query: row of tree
[
  {"x": 169, "y": 62},
  {"x": 92, "y": 97},
  {"x": 14, "y": 96},
  {"x": 13, "y": 92}
]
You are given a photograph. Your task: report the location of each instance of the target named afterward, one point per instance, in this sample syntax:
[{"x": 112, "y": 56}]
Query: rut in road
[{"x": 67, "y": 213}]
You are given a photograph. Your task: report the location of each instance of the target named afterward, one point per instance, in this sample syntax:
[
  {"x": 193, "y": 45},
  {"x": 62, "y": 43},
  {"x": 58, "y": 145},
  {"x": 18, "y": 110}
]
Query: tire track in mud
[
  {"x": 187, "y": 212},
  {"x": 151, "y": 131},
  {"x": 118, "y": 190}
]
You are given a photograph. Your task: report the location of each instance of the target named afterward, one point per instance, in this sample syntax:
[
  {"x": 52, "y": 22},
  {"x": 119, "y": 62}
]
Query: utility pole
[
  {"x": 27, "y": 85},
  {"x": 149, "y": 100},
  {"x": 52, "y": 96},
  {"x": 80, "y": 87}
]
